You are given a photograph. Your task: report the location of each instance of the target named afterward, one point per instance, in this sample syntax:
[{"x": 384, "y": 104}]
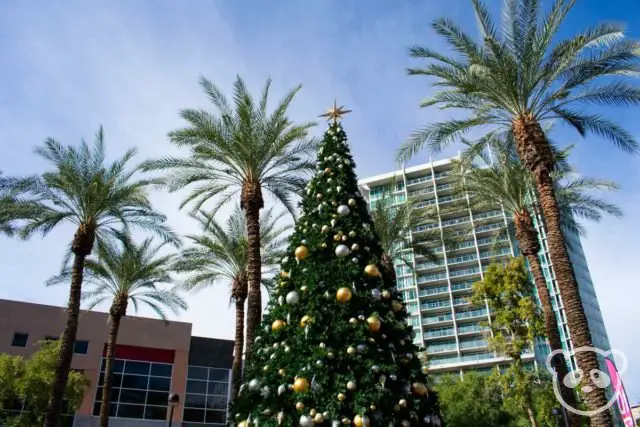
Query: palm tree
[
  {"x": 242, "y": 149},
  {"x": 515, "y": 80},
  {"x": 124, "y": 273},
  {"x": 509, "y": 184},
  {"x": 95, "y": 198},
  {"x": 393, "y": 224},
  {"x": 220, "y": 254}
]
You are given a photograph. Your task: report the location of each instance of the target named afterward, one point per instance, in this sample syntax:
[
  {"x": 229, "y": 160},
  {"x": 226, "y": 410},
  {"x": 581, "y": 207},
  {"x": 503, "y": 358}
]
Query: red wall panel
[{"x": 145, "y": 354}]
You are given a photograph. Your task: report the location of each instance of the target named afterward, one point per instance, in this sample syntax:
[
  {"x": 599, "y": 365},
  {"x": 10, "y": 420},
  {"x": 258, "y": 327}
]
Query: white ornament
[
  {"x": 281, "y": 389},
  {"x": 362, "y": 348},
  {"x": 325, "y": 229},
  {"x": 355, "y": 247},
  {"x": 354, "y": 260},
  {"x": 342, "y": 251},
  {"x": 306, "y": 421},
  {"x": 254, "y": 384},
  {"x": 338, "y": 188},
  {"x": 351, "y": 385},
  {"x": 343, "y": 210},
  {"x": 280, "y": 417},
  {"x": 293, "y": 298},
  {"x": 333, "y": 222}
]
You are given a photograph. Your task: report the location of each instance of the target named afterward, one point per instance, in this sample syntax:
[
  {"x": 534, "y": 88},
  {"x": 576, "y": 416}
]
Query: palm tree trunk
[
  {"x": 535, "y": 153},
  {"x": 388, "y": 267},
  {"x": 81, "y": 247},
  {"x": 530, "y": 246},
  {"x": 236, "y": 369},
  {"x": 531, "y": 415},
  {"x": 251, "y": 202},
  {"x": 116, "y": 313}
]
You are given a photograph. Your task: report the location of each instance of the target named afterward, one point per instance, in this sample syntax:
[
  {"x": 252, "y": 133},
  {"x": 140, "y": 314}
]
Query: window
[
  {"x": 140, "y": 389},
  {"x": 81, "y": 347},
  {"x": 20, "y": 339},
  {"x": 207, "y": 396}
]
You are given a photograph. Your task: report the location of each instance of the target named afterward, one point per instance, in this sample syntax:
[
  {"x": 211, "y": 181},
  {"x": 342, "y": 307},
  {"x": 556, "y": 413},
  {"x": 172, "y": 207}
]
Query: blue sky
[{"x": 70, "y": 66}]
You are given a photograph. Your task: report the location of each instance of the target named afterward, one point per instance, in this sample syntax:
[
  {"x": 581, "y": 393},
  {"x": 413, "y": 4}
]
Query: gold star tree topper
[{"x": 335, "y": 113}]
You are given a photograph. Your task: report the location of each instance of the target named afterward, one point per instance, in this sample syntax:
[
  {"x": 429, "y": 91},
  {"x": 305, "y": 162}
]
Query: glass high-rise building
[{"x": 437, "y": 293}]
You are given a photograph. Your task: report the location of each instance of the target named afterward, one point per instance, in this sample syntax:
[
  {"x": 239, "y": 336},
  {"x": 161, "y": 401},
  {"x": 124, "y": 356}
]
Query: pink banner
[{"x": 621, "y": 400}]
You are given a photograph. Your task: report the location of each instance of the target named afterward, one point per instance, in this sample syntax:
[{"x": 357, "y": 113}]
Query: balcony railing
[
  {"x": 435, "y": 304},
  {"x": 440, "y": 348},
  {"x": 471, "y": 313},
  {"x": 467, "y": 329},
  {"x": 421, "y": 192},
  {"x": 462, "y": 286},
  {"x": 429, "y": 320},
  {"x": 464, "y": 271},
  {"x": 431, "y": 277},
  {"x": 435, "y": 333},
  {"x": 433, "y": 291},
  {"x": 478, "y": 343},
  {"x": 419, "y": 179}
]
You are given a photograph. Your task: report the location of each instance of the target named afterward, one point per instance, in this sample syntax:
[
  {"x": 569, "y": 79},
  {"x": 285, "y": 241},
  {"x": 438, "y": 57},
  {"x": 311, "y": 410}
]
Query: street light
[{"x": 172, "y": 401}]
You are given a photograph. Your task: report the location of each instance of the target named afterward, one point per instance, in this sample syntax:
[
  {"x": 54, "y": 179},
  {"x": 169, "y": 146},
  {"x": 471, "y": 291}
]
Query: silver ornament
[
  {"x": 287, "y": 349},
  {"x": 325, "y": 229},
  {"x": 281, "y": 389},
  {"x": 285, "y": 259},
  {"x": 376, "y": 294},
  {"x": 293, "y": 298},
  {"x": 319, "y": 362},
  {"x": 306, "y": 421},
  {"x": 322, "y": 345},
  {"x": 393, "y": 377},
  {"x": 334, "y": 222},
  {"x": 340, "y": 166},
  {"x": 280, "y": 300},
  {"x": 338, "y": 188},
  {"x": 254, "y": 384},
  {"x": 355, "y": 247},
  {"x": 343, "y": 210},
  {"x": 280, "y": 417},
  {"x": 267, "y": 328},
  {"x": 351, "y": 385},
  {"x": 405, "y": 423},
  {"x": 355, "y": 260},
  {"x": 273, "y": 356},
  {"x": 319, "y": 196},
  {"x": 362, "y": 348},
  {"x": 352, "y": 233},
  {"x": 342, "y": 251},
  {"x": 375, "y": 369}
]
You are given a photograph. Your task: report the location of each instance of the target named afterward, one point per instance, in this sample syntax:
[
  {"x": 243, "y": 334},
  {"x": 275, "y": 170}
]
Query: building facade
[
  {"x": 153, "y": 358},
  {"x": 437, "y": 293}
]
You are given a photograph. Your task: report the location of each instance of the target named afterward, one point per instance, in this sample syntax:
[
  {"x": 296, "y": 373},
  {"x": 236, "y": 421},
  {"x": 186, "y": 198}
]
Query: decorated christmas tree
[{"x": 334, "y": 347}]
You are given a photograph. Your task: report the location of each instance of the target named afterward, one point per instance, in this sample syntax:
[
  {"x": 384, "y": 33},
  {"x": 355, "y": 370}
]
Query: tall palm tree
[
  {"x": 95, "y": 197},
  {"x": 220, "y": 254},
  {"x": 241, "y": 148},
  {"x": 123, "y": 272},
  {"x": 511, "y": 185},
  {"x": 514, "y": 80},
  {"x": 393, "y": 224}
]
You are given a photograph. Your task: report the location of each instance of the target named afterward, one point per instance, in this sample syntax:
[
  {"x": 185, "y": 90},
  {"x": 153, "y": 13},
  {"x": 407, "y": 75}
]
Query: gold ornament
[
  {"x": 341, "y": 397},
  {"x": 353, "y": 321},
  {"x": 352, "y": 233},
  {"x": 424, "y": 370},
  {"x": 396, "y": 305},
  {"x": 344, "y": 238},
  {"x": 284, "y": 274},
  {"x": 324, "y": 244},
  {"x": 318, "y": 418},
  {"x": 281, "y": 372},
  {"x": 396, "y": 407},
  {"x": 352, "y": 202},
  {"x": 243, "y": 424},
  {"x": 301, "y": 252},
  {"x": 300, "y": 385},
  {"x": 371, "y": 270},
  {"x": 419, "y": 389},
  {"x": 351, "y": 350},
  {"x": 344, "y": 294},
  {"x": 386, "y": 294},
  {"x": 372, "y": 407},
  {"x": 304, "y": 288},
  {"x": 361, "y": 421},
  {"x": 266, "y": 368},
  {"x": 313, "y": 412},
  {"x": 278, "y": 324},
  {"x": 374, "y": 323},
  {"x": 306, "y": 319},
  {"x": 403, "y": 403},
  {"x": 346, "y": 421},
  {"x": 299, "y": 406},
  {"x": 330, "y": 355},
  {"x": 327, "y": 170},
  {"x": 351, "y": 385}
]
